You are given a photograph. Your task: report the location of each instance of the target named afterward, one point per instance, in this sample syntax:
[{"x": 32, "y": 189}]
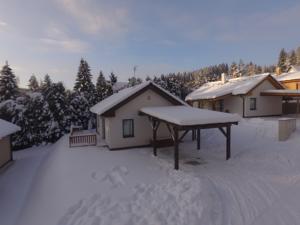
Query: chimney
[{"x": 223, "y": 78}]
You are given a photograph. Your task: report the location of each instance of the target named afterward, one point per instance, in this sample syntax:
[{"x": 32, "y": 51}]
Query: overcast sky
[{"x": 50, "y": 36}]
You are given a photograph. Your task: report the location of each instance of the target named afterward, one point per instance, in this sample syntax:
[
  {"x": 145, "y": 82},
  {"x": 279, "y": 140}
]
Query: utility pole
[{"x": 134, "y": 70}]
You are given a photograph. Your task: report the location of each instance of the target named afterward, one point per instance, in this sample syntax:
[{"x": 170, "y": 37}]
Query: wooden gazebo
[{"x": 181, "y": 119}]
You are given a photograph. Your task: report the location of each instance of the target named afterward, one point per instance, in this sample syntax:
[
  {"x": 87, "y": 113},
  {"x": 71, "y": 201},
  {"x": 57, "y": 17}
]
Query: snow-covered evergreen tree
[
  {"x": 241, "y": 68},
  {"x": 293, "y": 58},
  {"x": 250, "y": 68},
  {"x": 234, "y": 70},
  {"x": 8, "y": 84},
  {"x": 84, "y": 84},
  {"x": 282, "y": 61},
  {"x": 58, "y": 104},
  {"x": 39, "y": 122},
  {"x": 79, "y": 110},
  {"x": 298, "y": 56},
  {"x": 103, "y": 88},
  {"x": 33, "y": 84},
  {"x": 46, "y": 83},
  {"x": 113, "y": 78}
]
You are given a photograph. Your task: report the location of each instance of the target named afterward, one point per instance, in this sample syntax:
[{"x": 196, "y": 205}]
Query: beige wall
[
  {"x": 142, "y": 126},
  {"x": 265, "y": 105},
  {"x": 233, "y": 104},
  {"x": 5, "y": 151},
  {"x": 292, "y": 85}
]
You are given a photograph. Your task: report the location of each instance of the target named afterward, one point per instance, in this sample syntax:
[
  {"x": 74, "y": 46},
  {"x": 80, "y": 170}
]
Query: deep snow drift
[{"x": 260, "y": 184}]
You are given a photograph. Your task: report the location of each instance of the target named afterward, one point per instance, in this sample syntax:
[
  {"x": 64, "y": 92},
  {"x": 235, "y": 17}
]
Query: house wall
[
  {"x": 292, "y": 85},
  {"x": 142, "y": 126},
  {"x": 265, "y": 105},
  {"x": 233, "y": 104},
  {"x": 5, "y": 151}
]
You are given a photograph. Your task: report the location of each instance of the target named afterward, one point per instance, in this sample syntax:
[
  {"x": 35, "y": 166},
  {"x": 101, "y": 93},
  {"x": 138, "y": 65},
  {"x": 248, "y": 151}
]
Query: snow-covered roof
[
  {"x": 288, "y": 76},
  {"x": 124, "y": 94},
  {"x": 294, "y": 69},
  {"x": 188, "y": 116},
  {"x": 235, "y": 86},
  {"x": 7, "y": 128}
]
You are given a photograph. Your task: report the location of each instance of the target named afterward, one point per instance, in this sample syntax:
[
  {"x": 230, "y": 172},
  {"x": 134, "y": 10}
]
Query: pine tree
[
  {"x": 298, "y": 56},
  {"x": 113, "y": 78},
  {"x": 39, "y": 122},
  {"x": 234, "y": 71},
  {"x": 58, "y": 105},
  {"x": 84, "y": 84},
  {"x": 241, "y": 68},
  {"x": 148, "y": 78},
  {"x": 282, "y": 61},
  {"x": 33, "y": 84},
  {"x": 46, "y": 83},
  {"x": 8, "y": 84},
  {"x": 79, "y": 110},
  {"x": 103, "y": 88},
  {"x": 293, "y": 58},
  {"x": 250, "y": 69}
]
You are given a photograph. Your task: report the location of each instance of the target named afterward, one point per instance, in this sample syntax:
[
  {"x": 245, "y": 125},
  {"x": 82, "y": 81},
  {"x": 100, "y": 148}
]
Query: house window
[
  {"x": 252, "y": 103},
  {"x": 128, "y": 128}
]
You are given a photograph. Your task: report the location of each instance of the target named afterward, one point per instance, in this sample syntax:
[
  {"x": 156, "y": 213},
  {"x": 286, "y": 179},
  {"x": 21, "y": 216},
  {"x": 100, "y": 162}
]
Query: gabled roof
[
  {"x": 288, "y": 76},
  {"x": 108, "y": 106},
  {"x": 235, "y": 86},
  {"x": 7, "y": 128}
]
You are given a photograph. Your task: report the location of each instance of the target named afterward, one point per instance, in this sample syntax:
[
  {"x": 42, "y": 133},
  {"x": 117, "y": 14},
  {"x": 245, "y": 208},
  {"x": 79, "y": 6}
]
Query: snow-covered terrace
[{"x": 186, "y": 118}]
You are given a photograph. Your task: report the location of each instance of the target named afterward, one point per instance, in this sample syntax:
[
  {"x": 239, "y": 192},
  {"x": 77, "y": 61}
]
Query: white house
[
  {"x": 6, "y": 129},
  {"x": 243, "y": 95},
  {"x": 119, "y": 122}
]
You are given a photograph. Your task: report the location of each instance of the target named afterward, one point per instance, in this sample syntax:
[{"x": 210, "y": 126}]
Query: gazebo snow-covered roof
[
  {"x": 189, "y": 116},
  {"x": 234, "y": 86},
  {"x": 113, "y": 102},
  {"x": 186, "y": 118},
  {"x": 7, "y": 128}
]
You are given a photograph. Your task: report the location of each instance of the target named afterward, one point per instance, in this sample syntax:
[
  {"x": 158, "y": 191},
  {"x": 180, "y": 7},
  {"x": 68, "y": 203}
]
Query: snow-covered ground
[{"x": 260, "y": 184}]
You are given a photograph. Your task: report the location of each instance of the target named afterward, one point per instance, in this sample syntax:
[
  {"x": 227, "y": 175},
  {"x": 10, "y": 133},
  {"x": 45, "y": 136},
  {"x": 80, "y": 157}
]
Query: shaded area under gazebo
[{"x": 182, "y": 119}]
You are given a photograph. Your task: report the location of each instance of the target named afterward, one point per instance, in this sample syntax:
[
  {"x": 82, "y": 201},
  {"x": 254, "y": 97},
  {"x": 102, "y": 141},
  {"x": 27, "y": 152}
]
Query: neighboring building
[
  {"x": 6, "y": 129},
  {"x": 290, "y": 80},
  {"x": 239, "y": 95},
  {"x": 119, "y": 123}
]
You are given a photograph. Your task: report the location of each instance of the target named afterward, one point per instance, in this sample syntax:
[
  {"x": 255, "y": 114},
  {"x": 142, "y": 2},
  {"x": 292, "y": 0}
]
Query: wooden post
[
  {"x": 228, "y": 139},
  {"x": 198, "y": 138},
  {"x": 176, "y": 153},
  {"x": 193, "y": 135},
  {"x": 154, "y": 124}
]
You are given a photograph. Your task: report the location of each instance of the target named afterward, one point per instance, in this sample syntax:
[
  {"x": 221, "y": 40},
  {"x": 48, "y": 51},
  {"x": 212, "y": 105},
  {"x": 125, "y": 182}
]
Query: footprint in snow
[{"x": 115, "y": 177}]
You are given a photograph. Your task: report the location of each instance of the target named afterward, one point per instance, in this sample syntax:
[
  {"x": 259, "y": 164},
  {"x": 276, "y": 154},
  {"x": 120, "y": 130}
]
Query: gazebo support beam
[
  {"x": 176, "y": 149},
  {"x": 183, "y": 135},
  {"x": 198, "y": 138},
  {"x": 228, "y": 141},
  {"x": 155, "y": 125}
]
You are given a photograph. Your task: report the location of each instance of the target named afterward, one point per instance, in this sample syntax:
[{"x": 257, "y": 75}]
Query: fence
[{"x": 83, "y": 140}]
